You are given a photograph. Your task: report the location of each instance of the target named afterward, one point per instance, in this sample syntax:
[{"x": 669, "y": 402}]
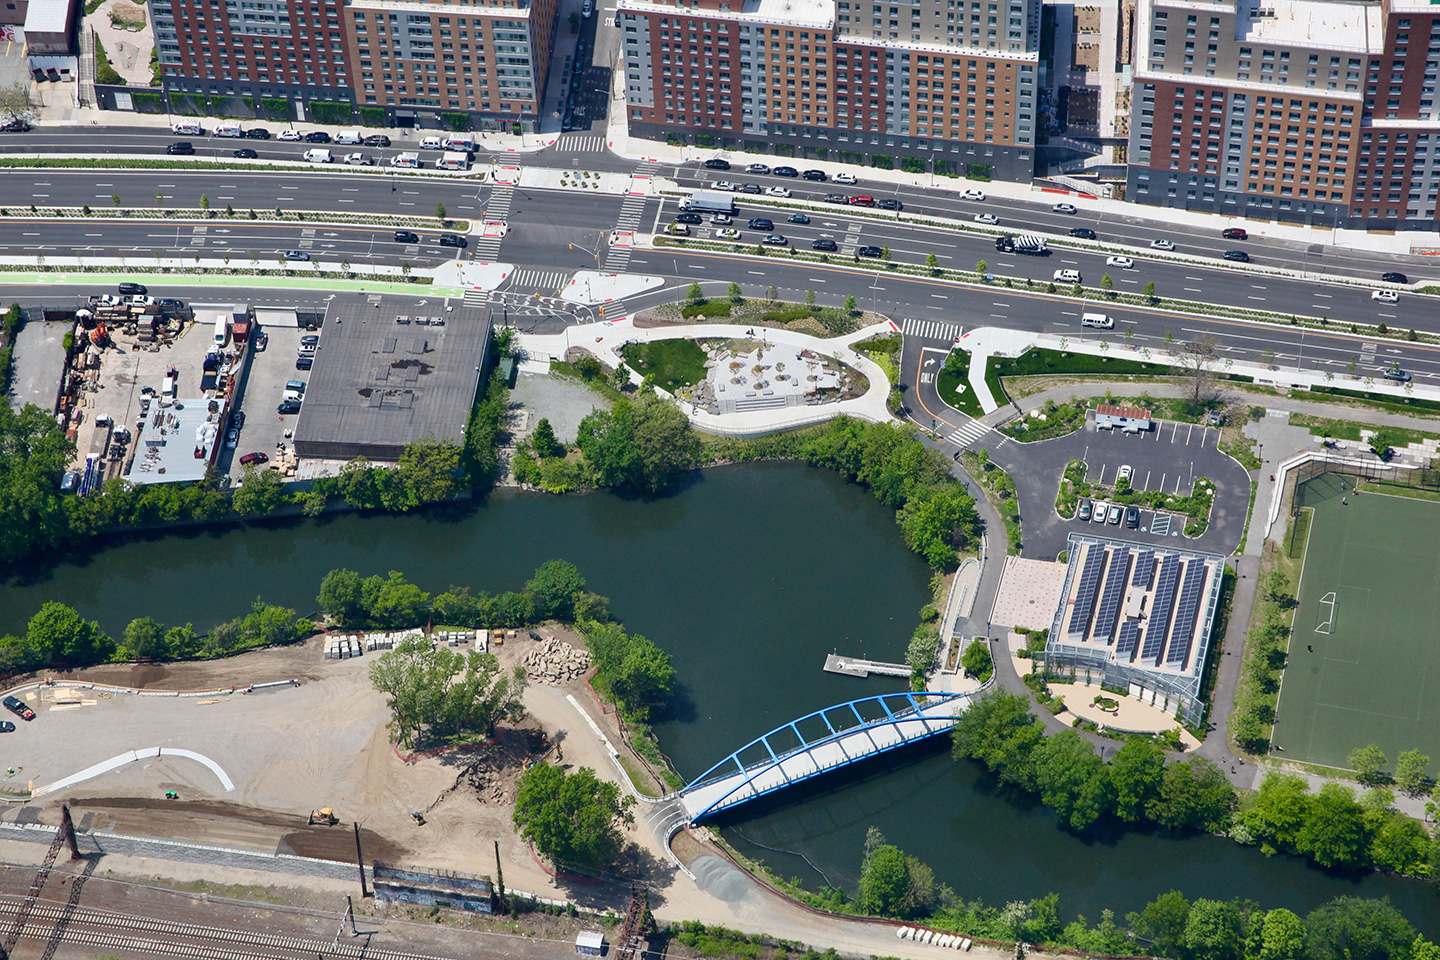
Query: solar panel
[
  {"x": 1144, "y": 568},
  {"x": 1110, "y": 600},
  {"x": 1129, "y": 636},
  {"x": 1085, "y": 598},
  {"x": 1160, "y": 607},
  {"x": 1184, "y": 630}
]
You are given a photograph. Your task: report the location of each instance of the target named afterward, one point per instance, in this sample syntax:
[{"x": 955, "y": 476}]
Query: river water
[{"x": 748, "y": 577}]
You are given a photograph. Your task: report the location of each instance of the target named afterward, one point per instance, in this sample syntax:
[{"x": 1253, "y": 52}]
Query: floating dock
[{"x": 856, "y": 667}]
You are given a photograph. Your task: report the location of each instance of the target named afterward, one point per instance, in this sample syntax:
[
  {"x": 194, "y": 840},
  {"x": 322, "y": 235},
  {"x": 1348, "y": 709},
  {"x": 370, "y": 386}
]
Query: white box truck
[
  {"x": 453, "y": 160},
  {"x": 460, "y": 141},
  {"x": 410, "y": 159},
  {"x": 229, "y": 128},
  {"x": 188, "y": 128}
]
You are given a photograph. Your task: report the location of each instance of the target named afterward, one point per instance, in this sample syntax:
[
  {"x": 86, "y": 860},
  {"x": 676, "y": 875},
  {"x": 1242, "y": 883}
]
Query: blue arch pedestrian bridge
[{"x": 819, "y": 743}]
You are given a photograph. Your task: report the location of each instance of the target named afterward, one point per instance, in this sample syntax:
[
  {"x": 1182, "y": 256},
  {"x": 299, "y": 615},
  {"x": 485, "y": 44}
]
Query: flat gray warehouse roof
[{"x": 379, "y": 383}]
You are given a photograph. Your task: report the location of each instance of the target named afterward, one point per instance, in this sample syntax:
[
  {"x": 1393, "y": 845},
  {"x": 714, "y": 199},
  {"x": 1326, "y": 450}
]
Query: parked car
[
  {"x": 453, "y": 240},
  {"x": 889, "y": 203},
  {"x": 304, "y": 363},
  {"x": 171, "y": 303},
  {"x": 406, "y": 236},
  {"x": 15, "y": 125},
  {"x": 377, "y": 140},
  {"x": 181, "y": 148},
  {"x": 1124, "y": 263},
  {"x": 844, "y": 178},
  {"x": 775, "y": 240},
  {"x": 310, "y": 340},
  {"x": 359, "y": 160},
  {"x": 232, "y": 438},
  {"x": 6, "y": 726},
  {"x": 815, "y": 176},
  {"x": 288, "y": 407},
  {"x": 761, "y": 223},
  {"x": 797, "y": 218},
  {"x": 988, "y": 218},
  {"x": 751, "y": 188},
  {"x": 245, "y": 153},
  {"x": 1161, "y": 245},
  {"x": 715, "y": 163},
  {"x": 1064, "y": 208},
  {"x": 1393, "y": 277},
  {"x": 1115, "y": 513},
  {"x": 862, "y": 200},
  {"x": 726, "y": 185},
  {"x": 299, "y": 255},
  {"x": 257, "y": 133},
  {"x": 317, "y": 136},
  {"x": 1083, "y": 511},
  {"x": 1082, "y": 233},
  {"x": 785, "y": 172},
  {"x": 17, "y": 707},
  {"x": 688, "y": 218},
  {"x": 757, "y": 168},
  {"x": 1239, "y": 256},
  {"x": 1385, "y": 296},
  {"x": 587, "y": 9},
  {"x": 1132, "y": 516},
  {"x": 251, "y": 459},
  {"x": 291, "y": 136},
  {"x": 872, "y": 252},
  {"x": 133, "y": 288},
  {"x": 1124, "y": 473},
  {"x": 1234, "y": 233},
  {"x": 973, "y": 195},
  {"x": 824, "y": 243},
  {"x": 1102, "y": 511},
  {"x": 721, "y": 220},
  {"x": 775, "y": 191},
  {"x": 834, "y": 198},
  {"x": 262, "y": 340},
  {"x": 1396, "y": 374},
  {"x": 238, "y": 420},
  {"x": 727, "y": 234}
]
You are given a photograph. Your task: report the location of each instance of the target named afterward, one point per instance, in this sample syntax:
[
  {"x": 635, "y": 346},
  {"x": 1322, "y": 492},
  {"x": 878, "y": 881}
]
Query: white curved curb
[{"x": 114, "y": 763}]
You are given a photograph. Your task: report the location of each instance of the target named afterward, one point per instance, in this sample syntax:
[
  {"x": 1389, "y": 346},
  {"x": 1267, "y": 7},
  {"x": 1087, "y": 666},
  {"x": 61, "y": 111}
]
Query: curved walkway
[{"x": 114, "y": 763}]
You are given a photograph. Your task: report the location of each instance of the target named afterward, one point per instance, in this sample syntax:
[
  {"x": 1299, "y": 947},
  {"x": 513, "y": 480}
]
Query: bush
[
  {"x": 331, "y": 113},
  {"x": 458, "y": 122},
  {"x": 709, "y": 308},
  {"x": 105, "y": 74},
  {"x": 372, "y": 116}
]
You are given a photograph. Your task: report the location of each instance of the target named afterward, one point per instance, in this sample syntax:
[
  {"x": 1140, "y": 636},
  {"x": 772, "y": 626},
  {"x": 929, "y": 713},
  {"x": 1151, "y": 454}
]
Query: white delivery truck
[
  {"x": 350, "y": 137},
  {"x": 318, "y": 155},
  {"x": 222, "y": 330},
  {"x": 410, "y": 159},
  {"x": 229, "y": 128},
  {"x": 188, "y": 128},
  {"x": 453, "y": 160},
  {"x": 460, "y": 141}
]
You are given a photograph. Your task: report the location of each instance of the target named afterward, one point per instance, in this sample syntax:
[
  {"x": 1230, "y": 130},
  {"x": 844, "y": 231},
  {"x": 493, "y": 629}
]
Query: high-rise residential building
[
  {"x": 949, "y": 81},
  {"x": 413, "y": 58},
  {"x": 1320, "y": 111}
]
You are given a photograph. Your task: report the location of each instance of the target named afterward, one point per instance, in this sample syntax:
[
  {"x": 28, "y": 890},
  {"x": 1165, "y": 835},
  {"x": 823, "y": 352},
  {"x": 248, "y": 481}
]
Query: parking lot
[
  {"x": 266, "y": 430},
  {"x": 1169, "y": 458}
]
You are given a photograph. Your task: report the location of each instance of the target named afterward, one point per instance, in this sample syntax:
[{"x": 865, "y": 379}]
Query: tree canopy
[
  {"x": 439, "y": 694},
  {"x": 572, "y": 820},
  {"x": 641, "y": 444}
]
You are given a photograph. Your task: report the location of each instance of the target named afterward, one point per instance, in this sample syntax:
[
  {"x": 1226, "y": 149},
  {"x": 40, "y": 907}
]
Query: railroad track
[{"x": 172, "y": 938}]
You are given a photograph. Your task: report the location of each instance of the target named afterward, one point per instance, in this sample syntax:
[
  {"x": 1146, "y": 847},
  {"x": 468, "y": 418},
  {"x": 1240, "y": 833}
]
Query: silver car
[{"x": 1115, "y": 514}]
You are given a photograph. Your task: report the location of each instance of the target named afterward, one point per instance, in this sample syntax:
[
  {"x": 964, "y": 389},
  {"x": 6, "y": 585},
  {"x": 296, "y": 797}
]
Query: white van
[
  {"x": 405, "y": 160},
  {"x": 222, "y": 330},
  {"x": 229, "y": 129},
  {"x": 187, "y": 128},
  {"x": 1096, "y": 320},
  {"x": 1067, "y": 276},
  {"x": 349, "y": 137},
  {"x": 453, "y": 160},
  {"x": 318, "y": 155},
  {"x": 432, "y": 143}
]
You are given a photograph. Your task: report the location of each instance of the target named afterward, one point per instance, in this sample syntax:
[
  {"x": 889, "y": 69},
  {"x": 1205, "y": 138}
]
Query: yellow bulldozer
[{"x": 324, "y": 816}]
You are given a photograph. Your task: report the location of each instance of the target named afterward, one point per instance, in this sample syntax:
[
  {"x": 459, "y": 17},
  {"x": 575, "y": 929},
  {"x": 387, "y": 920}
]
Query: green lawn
[{"x": 672, "y": 363}]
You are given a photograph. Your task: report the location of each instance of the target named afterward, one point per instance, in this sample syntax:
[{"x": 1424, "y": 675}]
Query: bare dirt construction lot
[{"x": 289, "y": 750}]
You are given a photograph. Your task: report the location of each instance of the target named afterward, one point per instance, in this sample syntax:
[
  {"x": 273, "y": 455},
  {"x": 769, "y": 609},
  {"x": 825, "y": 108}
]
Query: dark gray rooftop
[{"x": 378, "y": 384}]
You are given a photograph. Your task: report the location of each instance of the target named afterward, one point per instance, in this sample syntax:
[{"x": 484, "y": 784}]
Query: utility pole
[
  {"x": 499, "y": 878},
  {"x": 360, "y": 862}
]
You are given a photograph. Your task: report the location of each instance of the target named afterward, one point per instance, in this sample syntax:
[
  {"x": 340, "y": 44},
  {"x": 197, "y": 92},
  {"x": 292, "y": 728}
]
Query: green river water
[{"x": 748, "y": 576}]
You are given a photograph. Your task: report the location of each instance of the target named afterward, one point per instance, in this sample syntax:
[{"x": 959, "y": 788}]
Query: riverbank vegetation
[
  {"x": 573, "y": 820},
  {"x": 437, "y": 695},
  {"x": 1266, "y": 649}
]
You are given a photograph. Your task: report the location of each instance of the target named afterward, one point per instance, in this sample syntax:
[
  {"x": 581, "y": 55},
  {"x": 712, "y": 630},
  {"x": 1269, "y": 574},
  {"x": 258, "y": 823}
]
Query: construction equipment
[{"x": 324, "y": 816}]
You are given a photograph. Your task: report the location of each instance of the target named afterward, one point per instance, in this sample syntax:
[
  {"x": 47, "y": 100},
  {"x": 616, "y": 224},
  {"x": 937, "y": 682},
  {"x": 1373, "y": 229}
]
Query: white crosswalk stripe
[
  {"x": 476, "y": 298},
  {"x": 497, "y": 208},
  {"x": 930, "y": 329},
  {"x": 547, "y": 280},
  {"x": 581, "y": 144},
  {"x": 632, "y": 210},
  {"x": 969, "y": 431}
]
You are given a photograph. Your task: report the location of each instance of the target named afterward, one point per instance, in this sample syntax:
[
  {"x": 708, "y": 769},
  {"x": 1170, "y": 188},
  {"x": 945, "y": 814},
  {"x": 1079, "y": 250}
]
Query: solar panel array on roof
[
  {"x": 1144, "y": 568},
  {"x": 1183, "y": 631},
  {"x": 1160, "y": 607},
  {"x": 1110, "y": 600},
  {"x": 1085, "y": 598},
  {"x": 1129, "y": 636}
]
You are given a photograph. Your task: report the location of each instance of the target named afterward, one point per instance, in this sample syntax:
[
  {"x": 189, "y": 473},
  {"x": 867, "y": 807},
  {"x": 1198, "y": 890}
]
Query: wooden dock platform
[{"x": 856, "y": 667}]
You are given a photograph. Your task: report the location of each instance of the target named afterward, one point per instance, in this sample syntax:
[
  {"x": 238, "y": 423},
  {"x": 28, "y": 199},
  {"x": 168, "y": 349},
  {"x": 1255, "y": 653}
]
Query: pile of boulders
[{"x": 554, "y": 662}]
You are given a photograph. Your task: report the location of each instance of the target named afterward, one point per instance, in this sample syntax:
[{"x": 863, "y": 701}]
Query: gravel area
[{"x": 564, "y": 402}]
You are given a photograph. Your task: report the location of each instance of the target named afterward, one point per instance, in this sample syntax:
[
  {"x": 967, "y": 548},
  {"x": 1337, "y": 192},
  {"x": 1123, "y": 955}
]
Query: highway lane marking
[
  {"x": 1254, "y": 298},
  {"x": 997, "y": 316},
  {"x": 942, "y": 296},
  {"x": 1327, "y": 296},
  {"x": 1196, "y": 279},
  {"x": 1193, "y": 290},
  {"x": 351, "y": 189},
  {"x": 817, "y": 279},
  {"x": 758, "y": 273},
  {"x": 997, "y": 303},
  {"x": 1043, "y": 298},
  {"x": 40, "y": 195},
  {"x": 1256, "y": 286}
]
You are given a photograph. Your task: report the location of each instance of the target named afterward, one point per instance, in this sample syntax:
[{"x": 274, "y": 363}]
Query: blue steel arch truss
[{"x": 903, "y": 711}]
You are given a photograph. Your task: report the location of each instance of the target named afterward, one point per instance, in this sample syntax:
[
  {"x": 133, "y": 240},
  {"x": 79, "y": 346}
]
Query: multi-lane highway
[{"x": 585, "y": 150}]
